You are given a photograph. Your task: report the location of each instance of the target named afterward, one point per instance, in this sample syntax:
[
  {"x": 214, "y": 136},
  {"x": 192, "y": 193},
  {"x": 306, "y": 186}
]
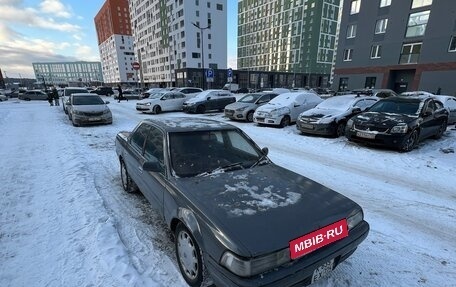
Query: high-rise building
[
  {"x": 79, "y": 73},
  {"x": 174, "y": 39},
  {"x": 294, "y": 36},
  {"x": 115, "y": 42},
  {"x": 404, "y": 45}
]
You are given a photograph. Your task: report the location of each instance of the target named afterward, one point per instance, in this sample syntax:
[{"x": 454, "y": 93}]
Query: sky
[
  {"x": 61, "y": 30},
  {"x": 66, "y": 221}
]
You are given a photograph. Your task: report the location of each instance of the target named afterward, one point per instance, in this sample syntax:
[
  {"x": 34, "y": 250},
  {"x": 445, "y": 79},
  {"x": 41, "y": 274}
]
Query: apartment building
[
  {"x": 298, "y": 37},
  {"x": 177, "y": 40},
  {"x": 68, "y": 73},
  {"x": 115, "y": 43},
  {"x": 403, "y": 45}
]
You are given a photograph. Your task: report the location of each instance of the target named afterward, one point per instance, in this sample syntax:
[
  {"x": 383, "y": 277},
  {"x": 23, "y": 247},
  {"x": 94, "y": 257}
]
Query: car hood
[
  {"x": 146, "y": 101},
  {"x": 383, "y": 119},
  {"x": 238, "y": 105},
  {"x": 260, "y": 210},
  {"x": 90, "y": 108},
  {"x": 269, "y": 107}
]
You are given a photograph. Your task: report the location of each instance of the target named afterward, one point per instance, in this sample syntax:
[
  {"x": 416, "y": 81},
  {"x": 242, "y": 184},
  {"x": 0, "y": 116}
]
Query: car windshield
[
  {"x": 156, "y": 95},
  {"x": 336, "y": 103},
  {"x": 249, "y": 98},
  {"x": 396, "y": 107},
  {"x": 210, "y": 152},
  {"x": 75, "y": 91},
  {"x": 87, "y": 100}
]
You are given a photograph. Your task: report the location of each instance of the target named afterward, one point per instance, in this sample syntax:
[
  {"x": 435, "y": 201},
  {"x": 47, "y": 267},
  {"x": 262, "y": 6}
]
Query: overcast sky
[{"x": 61, "y": 30}]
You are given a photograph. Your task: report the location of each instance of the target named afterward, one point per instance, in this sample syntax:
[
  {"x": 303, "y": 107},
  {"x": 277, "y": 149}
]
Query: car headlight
[
  {"x": 106, "y": 112},
  {"x": 400, "y": 129},
  {"x": 279, "y": 112},
  {"x": 349, "y": 123},
  {"x": 249, "y": 267},
  {"x": 355, "y": 218},
  {"x": 241, "y": 109},
  {"x": 76, "y": 112}
]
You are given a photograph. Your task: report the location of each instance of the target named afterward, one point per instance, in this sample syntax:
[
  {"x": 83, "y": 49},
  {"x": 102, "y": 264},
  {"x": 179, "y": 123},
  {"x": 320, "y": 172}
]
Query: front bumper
[
  {"x": 267, "y": 120},
  {"x": 297, "y": 272},
  {"x": 235, "y": 115},
  {"x": 315, "y": 128},
  {"x": 92, "y": 119},
  {"x": 189, "y": 109},
  {"x": 379, "y": 139},
  {"x": 142, "y": 108}
]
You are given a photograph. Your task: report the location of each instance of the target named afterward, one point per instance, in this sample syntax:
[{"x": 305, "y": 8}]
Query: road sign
[
  {"x": 209, "y": 75},
  {"x": 135, "y": 65},
  {"x": 230, "y": 73}
]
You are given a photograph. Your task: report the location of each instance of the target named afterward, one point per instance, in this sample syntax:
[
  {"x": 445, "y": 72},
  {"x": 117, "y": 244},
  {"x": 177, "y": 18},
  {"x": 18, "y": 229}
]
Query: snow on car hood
[
  {"x": 384, "y": 119},
  {"x": 264, "y": 202},
  {"x": 238, "y": 105},
  {"x": 324, "y": 115}
]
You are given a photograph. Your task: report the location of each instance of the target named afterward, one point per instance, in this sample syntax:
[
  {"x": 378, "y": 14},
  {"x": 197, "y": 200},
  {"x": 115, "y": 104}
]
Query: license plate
[
  {"x": 260, "y": 119},
  {"x": 307, "y": 126},
  {"x": 365, "y": 135},
  {"x": 94, "y": 119},
  {"x": 317, "y": 239},
  {"x": 322, "y": 271}
]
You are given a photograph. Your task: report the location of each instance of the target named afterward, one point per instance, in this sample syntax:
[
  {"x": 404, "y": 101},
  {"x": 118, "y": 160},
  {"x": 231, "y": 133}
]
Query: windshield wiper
[
  {"x": 232, "y": 166},
  {"x": 261, "y": 160}
]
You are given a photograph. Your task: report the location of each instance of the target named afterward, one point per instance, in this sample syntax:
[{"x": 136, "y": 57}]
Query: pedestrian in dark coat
[
  {"x": 50, "y": 98},
  {"x": 120, "y": 97},
  {"x": 55, "y": 96}
]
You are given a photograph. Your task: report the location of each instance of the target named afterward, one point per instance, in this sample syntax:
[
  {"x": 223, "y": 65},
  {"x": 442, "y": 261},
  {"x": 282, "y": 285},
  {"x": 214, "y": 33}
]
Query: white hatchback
[{"x": 285, "y": 108}]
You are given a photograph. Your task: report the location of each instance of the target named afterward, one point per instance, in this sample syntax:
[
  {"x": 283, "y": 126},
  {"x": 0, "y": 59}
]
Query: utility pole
[{"x": 202, "y": 50}]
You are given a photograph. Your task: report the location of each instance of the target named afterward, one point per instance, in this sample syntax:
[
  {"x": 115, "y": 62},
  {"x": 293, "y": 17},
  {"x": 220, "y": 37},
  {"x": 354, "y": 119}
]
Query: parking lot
[{"x": 66, "y": 220}]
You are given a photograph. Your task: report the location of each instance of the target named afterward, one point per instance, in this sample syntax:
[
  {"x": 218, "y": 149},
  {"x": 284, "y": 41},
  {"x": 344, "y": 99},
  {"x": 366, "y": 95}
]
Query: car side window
[
  {"x": 438, "y": 105},
  {"x": 154, "y": 146},
  {"x": 138, "y": 137},
  {"x": 430, "y": 107},
  {"x": 179, "y": 96}
]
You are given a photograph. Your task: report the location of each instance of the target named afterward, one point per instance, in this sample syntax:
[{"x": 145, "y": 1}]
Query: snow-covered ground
[{"x": 65, "y": 220}]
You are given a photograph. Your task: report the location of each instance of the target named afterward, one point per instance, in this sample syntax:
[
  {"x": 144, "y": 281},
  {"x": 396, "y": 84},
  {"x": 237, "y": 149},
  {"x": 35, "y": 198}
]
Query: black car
[
  {"x": 234, "y": 213},
  {"x": 399, "y": 122},
  {"x": 105, "y": 91}
]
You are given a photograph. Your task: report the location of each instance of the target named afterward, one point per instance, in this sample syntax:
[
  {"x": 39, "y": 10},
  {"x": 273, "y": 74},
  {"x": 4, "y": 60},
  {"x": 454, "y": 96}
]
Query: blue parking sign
[
  {"x": 209, "y": 73},
  {"x": 230, "y": 73}
]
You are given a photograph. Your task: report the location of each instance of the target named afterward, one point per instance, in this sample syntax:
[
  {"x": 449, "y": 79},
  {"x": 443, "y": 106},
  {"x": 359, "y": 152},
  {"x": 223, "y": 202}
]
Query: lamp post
[{"x": 202, "y": 49}]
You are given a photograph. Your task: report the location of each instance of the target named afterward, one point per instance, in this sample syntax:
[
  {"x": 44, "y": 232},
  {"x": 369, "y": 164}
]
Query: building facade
[
  {"x": 68, "y": 73},
  {"x": 115, "y": 43},
  {"x": 403, "y": 45},
  {"x": 170, "y": 35},
  {"x": 294, "y": 36}
]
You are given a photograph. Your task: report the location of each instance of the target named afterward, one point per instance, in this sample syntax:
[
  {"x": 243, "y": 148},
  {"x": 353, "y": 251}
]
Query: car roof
[
  {"x": 354, "y": 96},
  {"x": 412, "y": 99},
  {"x": 186, "y": 124},
  {"x": 85, "y": 94},
  {"x": 75, "y": 88}
]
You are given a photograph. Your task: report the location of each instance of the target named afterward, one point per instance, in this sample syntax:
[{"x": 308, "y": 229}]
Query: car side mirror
[
  {"x": 107, "y": 102},
  {"x": 208, "y": 98},
  {"x": 296, "y": 104},
  {"x": 265, "y": 150},
  {"x": 68, "y": 103},
  {"x": 356, "y": 110},
  {"x": 152, "y": 165},
  {"x": 427, "y": 113}
]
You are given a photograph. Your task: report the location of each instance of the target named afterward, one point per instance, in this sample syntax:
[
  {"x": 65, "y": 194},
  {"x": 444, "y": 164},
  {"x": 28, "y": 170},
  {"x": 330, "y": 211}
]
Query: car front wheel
[
  {"x": 188, "y": 256},
  {"x": 250, "y": 116},
  {"x": 411, "y": 141},
  {"x": 340, "y": 130},
  {"x": 285, "y": 122},
  {"x": 156, "y": 110}
]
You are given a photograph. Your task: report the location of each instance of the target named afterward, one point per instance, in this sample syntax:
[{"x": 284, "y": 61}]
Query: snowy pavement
[{"x": 65, "y": 220}]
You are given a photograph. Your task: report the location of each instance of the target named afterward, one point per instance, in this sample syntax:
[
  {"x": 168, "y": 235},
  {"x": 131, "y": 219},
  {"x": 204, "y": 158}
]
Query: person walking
[
  {"x": 50, "y": 98},
  {"x": 55, "y": 96},
  {"x": 120, "y": 96}
]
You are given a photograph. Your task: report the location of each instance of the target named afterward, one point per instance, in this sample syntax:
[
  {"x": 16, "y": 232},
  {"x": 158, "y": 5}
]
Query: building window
[
  {"x": 417, "y": 24},
  {"x": 220, "y": 7},
  {"x": 421, "y": 3},
  {"x": 376, "y": 51},
  {"x": 410, "y": 53},
  {"x": 380, "y": 26},
  {"x": 351, "y": 31},
  {"x": 355, "y": 6},
  {"x": 348, "y": 54},
  {"x": 384, "y": 3},
  {"x": 370, "y": 82},
  {"x": 343, "y": 84},
  {"x": 452, "y": 47}
]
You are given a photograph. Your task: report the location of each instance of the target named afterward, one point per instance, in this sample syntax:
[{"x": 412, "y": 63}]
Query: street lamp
[{"x": 202, "y": 49}]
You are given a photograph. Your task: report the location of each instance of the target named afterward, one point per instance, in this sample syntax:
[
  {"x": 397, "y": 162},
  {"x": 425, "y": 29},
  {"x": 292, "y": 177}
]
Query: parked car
[
  {"x": 103, "y": 91},
  {"x": 416, "y": 93},
  {"x": 244, "y": 108},
  {"x": 399, "y": 122},
  {"x": 88, "y": 109},
  {"x": 330, "y": 116},
  {"x": 3, "y": 97},
  {"x": 209, "y": 100},
  {"x": 285, "y": 108},
  {"x": 162, "y": 101},
  {"x": 31, "y": 95},
  {"x": 147, "y": 93},
  {"x": 67, "y": 92},
  {"x": 127, "y": 94},
  {"x": 242, "y": 91},
  {"x": 234, "y": 213},
  {"x": 449, "y": 102},
  {"x": 379, "y": 93},
  {"x": 189, "y": 92}
]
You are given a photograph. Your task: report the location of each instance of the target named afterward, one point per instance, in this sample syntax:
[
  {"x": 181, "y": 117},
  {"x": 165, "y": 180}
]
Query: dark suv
[{"x": 105, "y": 91}]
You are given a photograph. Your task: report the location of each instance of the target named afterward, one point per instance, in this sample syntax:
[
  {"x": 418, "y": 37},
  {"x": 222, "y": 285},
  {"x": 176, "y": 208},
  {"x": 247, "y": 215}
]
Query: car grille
[
  {"x": 370, "y": 128},
  {"x": 229, "y": 112},
  {"x": 92, "y": 114}
]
